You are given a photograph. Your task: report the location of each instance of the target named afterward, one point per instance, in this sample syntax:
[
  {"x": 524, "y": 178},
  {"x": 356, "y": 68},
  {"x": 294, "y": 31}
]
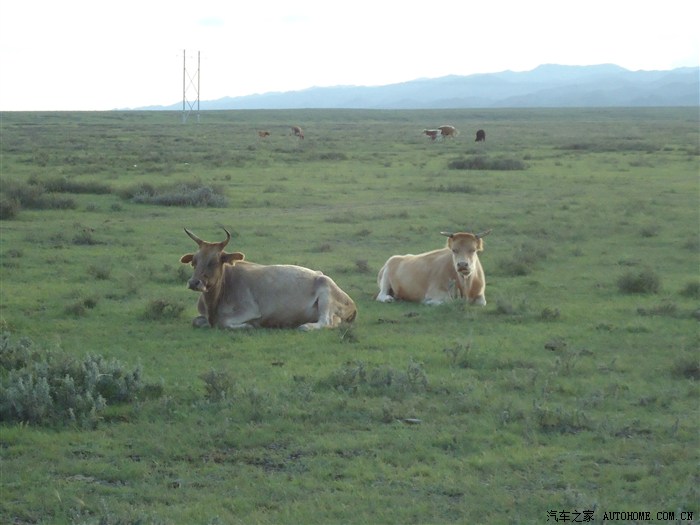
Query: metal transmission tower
[{"x": 188, "y": 106}]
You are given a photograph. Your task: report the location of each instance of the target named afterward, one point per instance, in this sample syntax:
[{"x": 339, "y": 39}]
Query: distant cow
[
  {"x": 480, "y": 136},
  {"x": 448, "y": 131},
  {"x": 297, "y": 132},
  {"x": 437, "y": 276},
  {"x": 432, "y": 133},
  {"x": 241, "y": 294},
  {"x": 263, "y": 134}
]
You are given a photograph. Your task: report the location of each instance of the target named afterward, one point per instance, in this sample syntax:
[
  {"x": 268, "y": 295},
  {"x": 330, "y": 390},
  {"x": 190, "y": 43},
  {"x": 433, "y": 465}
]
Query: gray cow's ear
[
  {"x": 230, "y": 258},
  {"x": 187, "y": 258},
  {"x": 447, "y": 234}
]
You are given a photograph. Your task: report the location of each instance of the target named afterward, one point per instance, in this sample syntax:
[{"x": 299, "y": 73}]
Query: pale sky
[{"x": 103, "y": 55}]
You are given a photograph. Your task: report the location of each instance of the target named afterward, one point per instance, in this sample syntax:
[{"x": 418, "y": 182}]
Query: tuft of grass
[
  {"x": 218, "y": 386},
  {"x": 100, "y": 272},
  {"x": 455, "y": 188},
  {"x": 667, "y": 308},
  {"x": 80, "y": 307},
  {"x": 162, "y": 309},
  {"x": 481, "y": 162},
  {"x": 9, "y": 208},
  {"x": 63, "y": 185},
  {"x": 52, "y": 388},
  {"x": 34, "y": 197},
  {"x": 687, "y": 366},
  {"x": 356, "y": 377},
  {"x": 194, "y": 195},
  {"x": 691, "y": 290},
  {"x": 639, "y": 282},
  {"x": 523, "y": 261}
]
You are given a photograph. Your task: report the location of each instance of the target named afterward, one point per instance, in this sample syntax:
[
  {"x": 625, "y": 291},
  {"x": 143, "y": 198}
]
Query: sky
[{"x": 101, "y": 55}]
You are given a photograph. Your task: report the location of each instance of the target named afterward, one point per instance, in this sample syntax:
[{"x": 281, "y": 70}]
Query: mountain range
[{"x": 550, "y": 85}]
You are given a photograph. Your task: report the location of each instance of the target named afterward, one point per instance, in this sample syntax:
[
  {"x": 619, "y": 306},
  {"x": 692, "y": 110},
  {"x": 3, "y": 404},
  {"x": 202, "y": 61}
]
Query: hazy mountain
[{"x": 545, "y": 86}]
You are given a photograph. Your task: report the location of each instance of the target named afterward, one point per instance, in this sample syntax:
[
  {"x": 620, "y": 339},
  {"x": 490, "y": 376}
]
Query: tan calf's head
[
  {"x": 208, "y": 262},
  {"x": 464, "y": 248}
]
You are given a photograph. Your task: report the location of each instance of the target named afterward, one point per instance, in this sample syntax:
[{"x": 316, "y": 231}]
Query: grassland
[{"x": 575, "y": 389}]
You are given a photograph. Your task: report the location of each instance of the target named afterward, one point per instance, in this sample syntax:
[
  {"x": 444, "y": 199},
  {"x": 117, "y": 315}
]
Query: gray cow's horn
[
  {"x": 483, "y": 234},
  {"x": 228, "y": 238},
  {"x": 447, "y": 234},
  {"x": 194, "y": 237}
]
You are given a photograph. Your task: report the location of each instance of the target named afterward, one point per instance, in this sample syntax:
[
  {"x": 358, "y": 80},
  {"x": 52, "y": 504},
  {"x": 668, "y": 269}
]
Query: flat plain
[{"x": 573, "y": 392}]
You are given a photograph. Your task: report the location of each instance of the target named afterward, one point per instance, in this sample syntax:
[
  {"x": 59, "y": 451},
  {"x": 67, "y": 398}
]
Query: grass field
[{"x": 575, "y": 389}]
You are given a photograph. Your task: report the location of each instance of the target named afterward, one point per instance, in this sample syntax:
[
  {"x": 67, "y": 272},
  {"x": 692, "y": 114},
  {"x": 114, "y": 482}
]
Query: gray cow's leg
[
  {"x": 200, "y": 322},
  {"x": 324, "y": 298}
]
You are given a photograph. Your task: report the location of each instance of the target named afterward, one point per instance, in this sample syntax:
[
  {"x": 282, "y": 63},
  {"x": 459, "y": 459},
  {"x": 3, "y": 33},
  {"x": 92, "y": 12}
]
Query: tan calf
[{"x": 437, "y": 276}]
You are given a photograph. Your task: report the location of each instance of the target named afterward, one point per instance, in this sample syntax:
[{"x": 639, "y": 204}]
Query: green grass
[{"x": 575, "y": 388}]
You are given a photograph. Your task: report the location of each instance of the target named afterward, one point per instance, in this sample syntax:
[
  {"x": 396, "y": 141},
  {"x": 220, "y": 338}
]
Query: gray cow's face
[{"x": 208, "y": 263}]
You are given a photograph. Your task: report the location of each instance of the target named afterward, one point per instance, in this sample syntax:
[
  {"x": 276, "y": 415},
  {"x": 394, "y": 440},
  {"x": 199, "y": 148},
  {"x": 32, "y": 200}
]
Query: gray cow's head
[{"x": 208, "y": 262}]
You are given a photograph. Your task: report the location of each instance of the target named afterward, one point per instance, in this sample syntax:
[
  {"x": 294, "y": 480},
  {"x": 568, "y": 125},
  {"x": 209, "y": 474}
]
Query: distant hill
[{"x": 604, "y": 85}]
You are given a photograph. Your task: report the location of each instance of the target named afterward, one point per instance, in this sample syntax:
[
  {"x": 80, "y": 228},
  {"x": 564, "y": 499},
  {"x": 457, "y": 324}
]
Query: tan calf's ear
[
  {"x": 231, "y": 258},
  {"x": 187, "y": 258}
]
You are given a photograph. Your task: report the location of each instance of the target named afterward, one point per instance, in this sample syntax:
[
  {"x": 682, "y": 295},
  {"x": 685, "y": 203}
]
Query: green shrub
[
  {"x": 51, "y": 388},
  {"x": 187, "y": 194},
  {"x": 35, "y": 197},
  {"x": 687, "y": 366},
  {"x": 9, "y": 208},
  {"x": 355, "y": 376},
  {"x": 523, "y": 261},
  {"x": 162, "y": 309},
  {"x": 643, "y": 281},
  {"x": 333, "y": 155},
  {"x": 481, "y": 162},
  {"x": 218, "y": 386},
  {"x": 691, "y": 290},
  {"x": 63, "y": 185}
]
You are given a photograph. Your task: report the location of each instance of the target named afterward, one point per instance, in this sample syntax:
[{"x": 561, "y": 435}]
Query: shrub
[
  {"x": 455, "y": 188},
  {"x": 63, "y": 185},
  {"x": 643, "y": 281},
  {"x": 47, "y": 388},
  {"x": 188, "y": 194},
  {"x": 379, "y": 380},
  {"x": 9, "y": 208},
  {"x": 687, "y": 366},
  {"x": 333, "y": 155},
  {"x": 481, "y": 162},
  {"x": 100, "y": 272},
  {"x": 162, "y": 309},
  {"x": 84, "y": 238},
  {"x": 523, "y": 261},
  {"x": 34, "y": 196},
  {"x": 218, "y": 386},
  {"x": 691, "y": 290},
  {"x": 666, "y": 308}
]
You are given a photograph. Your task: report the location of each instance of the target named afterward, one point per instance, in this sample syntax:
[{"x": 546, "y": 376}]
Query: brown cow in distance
[
  {"x": 480, "y": 136},
  {"x": 235, "y": 293},
  {"x": 437, "y": 276},
  {"x": 297, "y": 132},
  {"x": 263, "y": 134}
]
